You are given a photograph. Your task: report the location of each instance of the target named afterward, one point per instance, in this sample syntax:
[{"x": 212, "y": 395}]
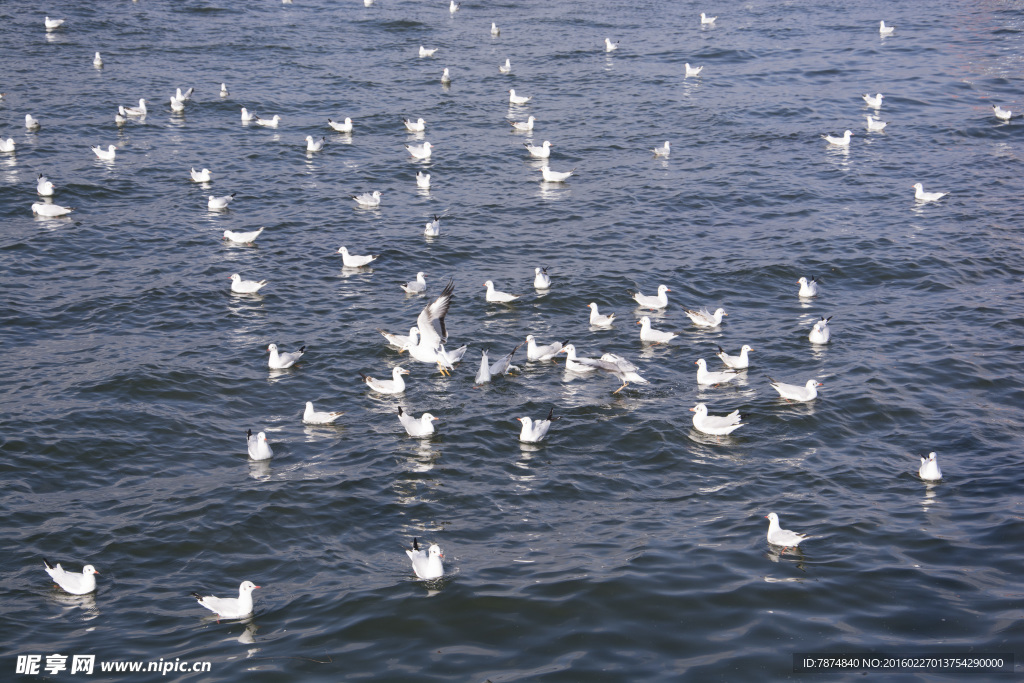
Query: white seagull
[
  {"x": 597, "y": 319},
  {"x": 51, "y": 24},
  {"x": 704, "y": 318},
  {"x": 454, "y": 7},
  {"x": 50, "y": 210},
  {"x": 705, "y": 377},
  {"x": 513, "y": 98},
  {"x": 343, "y": 127},
  {"x": 692, "y": 71},
  {"x": 395, "y": 385},
  {"x": 609, "y": 46},
  {"x": 922, "y": 196},
  {"x": 654, "y": 302},
  {"x": 534, "y": 432},
  {"x": 433, "y": 228},
  {"x": 873, "y": 102},
  {"x": 885, "y": 30},
  {"x": 1002, "y": 114},
  {"x": 505, "y": 68},
  {"x": 649, "y": 334},
  {"x": 356, "y": 260},
  {"x": 929, "y": 470},
  {"x": 495, "y": 31},
  {"x": 219, "y": 203},
  {"x": 418, "y": 427},
  {"x": 417, "y": 126},
  {"x": 843, "y": 141},
  {"x": 246, "y": 116},
  {"x": 715, "y": 425},
  {"x": 424, "y": 52},
  {"x": 446, "y": 77},
  {"x": 426, "y": 563},
  {"x": 314, "y": 145},
  {"x": 107, "y": 154},
  {"x": 555, "y": 176},
  {"x": 489, "y": 370},
  {"x": 31, "y": 123},
  {"x": 184, "y": 96},
  {"x": 7, "y": 145},
  {"x": 230, "y": 608},
  {"x": 663, "y": 151},
  {"x": 705, "y": 19},
  {"x": 615, "y": 365},
  {"x": 268, "y": 123},
  {"x": 537, "y": 353},
  {"x": 97, "y": 61},
  {"x": 795, "y": 392},
  {"x": 240, "y": 286},
  {"x": 44, "y": 187},
  {"x": 576, "y": 363},
  {"x": 420, "y": 151},
  {"x": 399, "y": 341},
  {"x": 740, "y": 362},
  {"x": 417, "y": 286},
  {"x": 541, "y": 279},
  {"x": 72, "y": 582},
  {"x": 136, "y": 111},
  {"x": 541, "y": 152},
  {"x": 200, "y": 176},
  {"x": 875, "y": 125},
  {"x": 243, "y": 237},
  {"x": 368, "y": 200},
  {"x": 782, "y": 537},
  {"x": 820, "y": 334},
  {"x": 257, "y": 445},
  {"x": 281, "y": 361},
  {"x": 495, "y": 297},
  {"x": 808, "y": 288},
  {"x": 523, "y": 126},
  {"x": 223, "y": 89},
  {"x": 426, "y": 339},
  {"x": 422, "y": 180},
  {"x": 313, "y": 417}
]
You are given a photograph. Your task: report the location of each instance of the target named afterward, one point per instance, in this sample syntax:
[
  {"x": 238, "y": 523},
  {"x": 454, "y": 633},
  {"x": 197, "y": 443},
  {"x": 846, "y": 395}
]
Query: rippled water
[{"x": 625, "y": 547}]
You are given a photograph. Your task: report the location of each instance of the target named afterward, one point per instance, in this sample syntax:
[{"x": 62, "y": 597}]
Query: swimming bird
[
  {"x": 555, "y": 176},
  {"x": 489, "y": 370},
  {"x": 704, "y": 318},
  {"x": 419, "y": 427},
  {"x": 715, "y": 425},
  {"x": 624, "y": 370},
  {"x": 268, "y": 123},
  {"x": 541, "y": 152},
  {"x": 177, "y": 105},
  {"x": 426, "y": 563},
  {"x": 597, "y": 319},
  {"x": 875, "y": 125},
  {"x": 314, "y": 145},
  {"x": 73, "y": 582},
  {"x": 184, "y": 96},
  {"x": 247, "y": 117},
  {"x": 692, "y": 71},
  {"x": 400, "y": 341},
  {"x": 219, "y": 203},
  {"x": 885, "y": 30},
  {"x": 782, "y": 537},
  {"x": 873, "y": 102},
  {"x": 820, "y": 334},
  {"x": 539, "y": 353},
  {"x": 200, "y": 176},
  {"x": 224, "y": 90},
  {"x": 51, "y": 210},
  {"x": 929, "y": 470},
  {"x": 495, "y": 297},
  {"x": 523, "y": 126},
  {"x": 422, "y": 180},
  {"x": 420, "y": 151},
  {"x": 230, "y": 608},
  {"x": 506, "y": 67},
  {"x": 513, "y": 98},
  {"x": 356, "y": 260},
  {"x": 705, "y": 377},
  {"x": 808, "y": 288},
  {"x": 541, "y": 279},
  {"x": 51, "y": 24},
  {"x": 454, "y": 7},
  {"x": 107, "y": 154},
  {"x": 648, "y": 334},
  {"x": 740, "y": 362},
  {"x": 535, "y": 431},
  {"x": 795, "y": 392},
  {"x": 243, "y": 237},
  {"x": 31, "y": 122},
  {"x": 446, "y": 77},
  {"x": 282, "y": 361},
  {"x": 343, "y": 127},
  {"x": 424, "y": 52},
  {"x": 368, "y": 200},
  {"x": 44, "y": 187},
  {"x": 140, "y": 110},
  {"x": 97, "y": 61},
  {"x": 922, "y": 196},
  {"x": 7, "y": 145},
  {"x": 609, "y": 46},
  {"x": 433, "y": 228},
  {"x": 417, "y": 126},
  {"x": 395, "y": 385},
  {"x": 495, "y": 31},
  {"x": 119, "y": 120},
  {"x": 240, "y": 286},
  {"x": 843, "y": 141},
  {"x": 705, "y": 19},
  {"x": 417, "y": 286},
  {"x": 257, "y": 445},
  {"x": 663, "y": 151},
  {"x": 1002, "y": 114},
  {"x": 575, "y": 363},
  {"x": 653, "y": 302},
  {"x": 312, "y": 417}
]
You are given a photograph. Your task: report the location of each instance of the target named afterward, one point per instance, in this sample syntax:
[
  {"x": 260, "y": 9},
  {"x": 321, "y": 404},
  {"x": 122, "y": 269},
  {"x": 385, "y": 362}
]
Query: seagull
[
  {"x": 705, "y": 377},
  {"x": 43, "y": 186},
  {"x": 875, "y": 125},
  {"x": 268, "y": 123},
  {"x": 873, "y": 102},
  {"x": 703, "y": 318},
  {"x": 417, "y": 286},
  {"x": 399, "y": 341},
  {"x": 446, "y": 77},
  {"x": 433, "y": 228},
  {"x": 795, "y": 392},
  {"x": 541, "y": 279},
  {"x": 885, "y": 30},
  {"x": 649, "y": 334},
  {"x": 7, "y": 145},
  {"x": 506, "y": 67},
  {"x": 426, "y": 339},
  {"x": 495, "y": 297},
  {"x": 200, "y": 176},
  {"x": 1001, "y": 114},
  {"x": 314, "y": 145},
  {"x": 223, "y": 89},
  {"x": 258, "y": 447},
  {"x": 246, "y": 116},
  {"x": 420, "y": 151},
  {"x": 423, "y": 180},
  {"x": 692, "y": 71},
  {"x": 454, "y": 7},
  {"x": 240, "y": 286},
  {"x": 922, "y": 196},
  {"x": 499, "y": 367},
  {"x": 434, "y": 353},
  {"x": 575, "y": 363},
  {"x": 653, "y": 302},
  {"x": 513, "y": 98},
  {"x": 97, "y": 61},
  {"x": 31, "y": 123},
  {"x": 177, "y": 105},
  {"x": 740, "y": 362},
  {"x": 52, "y": 23},
  {"x": 820, "y": 333},
  {"x": 422, "y": 426},
  {"x": 312, "y": 417},
  {"x": 715, "y": 425},
  {"x": 609, "y": 46},
  {"x": 555, "y": 176},
  {"x": 136, "y": 111},
  {"x": 782, "y": 537},
  {"x": 50, "y": 210},
  {"x": 706, "y": 20},
  {"x": 106, "y": 155},
  {"x": 119, "y": 119},
  {"x": 662, "y": 151},
  {"x": 219, "y": 203},
  {"x": 395, "y": 385},
  {"x": 542, "y": 152},
  {"x": 839, "y": 142},
  {"x": 598, "y": 320},
  {"x": 495, "y": 31},
  {"x": 230, "y": 608},
  {"x": 72, "y": 582},
  {"x": 539, "y": 353},
  {"x": 533, "y": 432},
  {"x": 356, "y": 260},
  {"x": 424, "y": 52},
  {"x": 524, "y": 126},
  {"x": 808, "y": 288},
  {"x": 426, "y": 563},
  {"x": 343, "y": 127},
  {"x": 281, "y": 361},
  {"x": 368, "y": 200},
  {"x": 929, "y": 470},
  {"x": 615, "y": 365},
  {"x": 242, "y": 237},
  {"x": 417, "y": 126},
  {"x": 184, "y": 96}
]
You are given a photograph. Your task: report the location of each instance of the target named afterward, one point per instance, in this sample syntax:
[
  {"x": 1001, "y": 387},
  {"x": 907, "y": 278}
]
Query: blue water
[{"x": 627, "y": 546}]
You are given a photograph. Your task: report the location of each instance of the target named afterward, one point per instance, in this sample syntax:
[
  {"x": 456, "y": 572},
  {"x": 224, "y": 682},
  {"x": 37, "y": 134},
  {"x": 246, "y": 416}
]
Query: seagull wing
[{"x": 431, "y": 318}]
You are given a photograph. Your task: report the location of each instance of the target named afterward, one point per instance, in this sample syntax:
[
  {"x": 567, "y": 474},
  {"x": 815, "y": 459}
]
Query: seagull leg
[{"x": 624, "y": 384}]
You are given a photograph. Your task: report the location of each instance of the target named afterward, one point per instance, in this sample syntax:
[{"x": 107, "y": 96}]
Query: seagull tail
[
  {"x": 47, "y": 564},
  {"x": 197, "y": 596}
]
